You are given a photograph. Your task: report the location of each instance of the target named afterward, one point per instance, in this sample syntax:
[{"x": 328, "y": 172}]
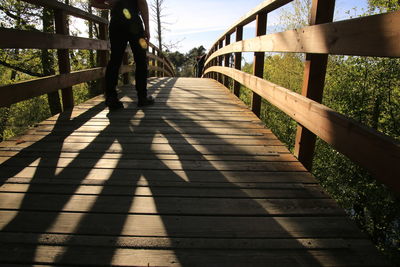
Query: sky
[{"x": 194, "y": 23}]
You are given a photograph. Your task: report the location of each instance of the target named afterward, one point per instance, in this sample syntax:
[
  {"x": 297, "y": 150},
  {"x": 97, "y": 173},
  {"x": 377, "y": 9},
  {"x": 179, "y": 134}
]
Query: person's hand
[
  {"x": 111, "y": 3},
  {"x": 147, "y": 34}
]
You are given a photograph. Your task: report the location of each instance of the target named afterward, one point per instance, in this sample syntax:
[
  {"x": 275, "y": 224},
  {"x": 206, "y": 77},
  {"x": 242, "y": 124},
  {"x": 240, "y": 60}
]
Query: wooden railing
[
  {"x": 63, "y": 42},
  {"x": 377, "y": 36}
]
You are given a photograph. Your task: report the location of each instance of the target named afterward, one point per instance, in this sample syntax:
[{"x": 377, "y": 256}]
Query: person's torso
[
  {"x": 125, "y": 17},
  {"x": 125, "y": 9}
]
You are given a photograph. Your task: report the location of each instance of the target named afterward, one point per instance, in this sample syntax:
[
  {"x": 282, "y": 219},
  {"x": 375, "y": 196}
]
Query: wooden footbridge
[{"x": 196, "y": 179}]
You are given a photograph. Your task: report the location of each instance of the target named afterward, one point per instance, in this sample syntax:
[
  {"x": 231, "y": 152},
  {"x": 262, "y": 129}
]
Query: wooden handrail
[
  {"x": 356, "y": 37},
  {"x": 70, "y": 10},
  {"x": 164, "y": 59},
  {"x": 264, "y": 7},
  {"x": 12, "y": 38},
  {"x": 377, "y": 35},
  {"x": 362, "y": 144}
]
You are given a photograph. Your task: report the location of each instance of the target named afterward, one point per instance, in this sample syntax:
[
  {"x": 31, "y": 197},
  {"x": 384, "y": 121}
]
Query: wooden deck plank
[
  {"x": 268, "y": 191},
  {"x": 219, "y": 258},
  {"x": 124, "y": 176},
  {"x": 176, "y": 205},
  {"x": 179, "y": 226},
  {"x": 195, "y": 180}
]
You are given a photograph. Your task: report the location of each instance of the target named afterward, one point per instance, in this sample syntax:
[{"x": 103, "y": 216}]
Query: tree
[
  {"x": 48, "y": 61},
  {"x": 367, "y": 90},
  {"x": 381, "y": 6},
  {"x": 297, "y": 16},
  {"x": 177, "y": 59},
  {"x": 157, "y": 7}
]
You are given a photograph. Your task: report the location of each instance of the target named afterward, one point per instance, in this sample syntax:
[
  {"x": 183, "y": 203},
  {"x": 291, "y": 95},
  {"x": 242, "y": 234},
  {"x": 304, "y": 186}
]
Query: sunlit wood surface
[{"x": 195, "y": 180}]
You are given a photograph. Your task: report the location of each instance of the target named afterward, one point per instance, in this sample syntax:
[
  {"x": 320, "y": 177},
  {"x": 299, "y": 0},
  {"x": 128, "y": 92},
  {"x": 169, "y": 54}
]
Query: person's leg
[
  {"x": 141, "y": 68},
  {"x": 118, "y": 45}
]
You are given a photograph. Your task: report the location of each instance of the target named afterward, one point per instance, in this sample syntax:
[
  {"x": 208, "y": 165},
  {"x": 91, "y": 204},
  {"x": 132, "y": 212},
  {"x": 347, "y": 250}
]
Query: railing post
[
  {"x": 220, "y": 61},
  {"x": 214, "y": 63},
  {"x": 103, "y": 54},
  {"x": 313, "y": 84},
  {"x": 238, "y": 60},
  {"x": 258, "y": 70},
  {"x": 64, "y": 65},
  {"x": 226, "y": 61},
  {"x": 153, "y": 61},
  {"x": 160, "y": 64}
]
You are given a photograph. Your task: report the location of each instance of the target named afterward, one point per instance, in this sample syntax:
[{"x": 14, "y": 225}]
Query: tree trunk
[
  {"x": 94, "y": 88},
  {"x": 159, "y": 29},
  {"x": 4, "y": 115},
  {"x": 47, "y": 59}
]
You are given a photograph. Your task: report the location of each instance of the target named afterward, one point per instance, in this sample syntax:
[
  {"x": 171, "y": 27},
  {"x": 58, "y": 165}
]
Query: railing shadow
[{"x": 111, "y": 212}]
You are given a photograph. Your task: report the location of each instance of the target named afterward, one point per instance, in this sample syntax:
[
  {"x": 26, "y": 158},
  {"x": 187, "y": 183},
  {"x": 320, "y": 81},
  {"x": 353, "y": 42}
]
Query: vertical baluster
[
  {"x": 238, "y": 59},
  {"x": 220, "y": 61},
  {"x": 153, "y": 62},
  {"x": 214, "y": 63},
  {"x": 64, "y": 65},
  {"x": 227, "y": 57},
  {"x": 322, "y": 11},
  {"x": 258, "y": 68},
  {"x": 160, "y": 64}
]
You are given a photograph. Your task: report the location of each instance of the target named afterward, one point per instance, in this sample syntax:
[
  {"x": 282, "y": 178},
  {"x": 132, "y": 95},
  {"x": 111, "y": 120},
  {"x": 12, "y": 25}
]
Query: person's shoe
[
  {"x": 114, "y": 104},
  {"x": 145, "y": 101}
]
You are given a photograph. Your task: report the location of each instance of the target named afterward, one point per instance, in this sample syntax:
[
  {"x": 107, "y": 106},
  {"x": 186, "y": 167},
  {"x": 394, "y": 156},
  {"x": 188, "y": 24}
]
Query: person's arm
[
  {"x": 102, "y": 4},
  {"x": 144, "y": 11}
]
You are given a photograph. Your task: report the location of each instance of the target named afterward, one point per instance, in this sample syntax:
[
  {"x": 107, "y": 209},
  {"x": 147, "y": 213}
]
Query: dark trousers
[{"x": 120, "y": 35}]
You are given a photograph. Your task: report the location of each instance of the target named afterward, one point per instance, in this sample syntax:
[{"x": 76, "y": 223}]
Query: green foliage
[
  {"x": 17, "y": 65},
  {"x": 287, "y": 71},
  {"x": 295, "y": 15},
  {"x": 375, "y": 210},
  {"x": 184, "y": 63},
  {"x": 366, "y": 90},
  {"x": 25, "y": 114},
  {"x": 381, "y": 6}
]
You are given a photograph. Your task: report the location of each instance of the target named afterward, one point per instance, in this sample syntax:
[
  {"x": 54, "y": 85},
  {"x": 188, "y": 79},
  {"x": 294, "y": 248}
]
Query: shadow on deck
[{"x": 195, "y": 180}]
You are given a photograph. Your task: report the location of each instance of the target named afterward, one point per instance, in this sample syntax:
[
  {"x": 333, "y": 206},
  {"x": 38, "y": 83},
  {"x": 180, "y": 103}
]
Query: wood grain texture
[
  {"x": 195, "y": 180},
  {"x": 376, "y": 35},
  {"x": 13, "y": 93},
  {"x": 12, "y": 38},
  {"x": 76, "y": 12},
  {"x": 374, "y": 151}
]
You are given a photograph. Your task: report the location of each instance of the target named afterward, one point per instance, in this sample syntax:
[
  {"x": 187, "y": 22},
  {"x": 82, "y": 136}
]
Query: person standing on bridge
[{"x": 126, "y": 25}]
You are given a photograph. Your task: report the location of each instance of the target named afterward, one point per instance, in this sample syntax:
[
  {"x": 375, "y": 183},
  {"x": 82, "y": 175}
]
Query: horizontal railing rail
[
  {"x": 63, "y": 42},
  {"x": 377, "y": 36}
]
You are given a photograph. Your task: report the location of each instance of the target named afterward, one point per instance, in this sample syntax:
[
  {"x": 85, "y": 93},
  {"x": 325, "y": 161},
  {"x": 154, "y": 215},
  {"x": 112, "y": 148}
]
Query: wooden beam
[
  {"x": 11, "y": 38},
  {"x": 370, "y": 149},
  {"x": 264, "y": 7},
  {"x": 226, "y": 60},
  {"x": 377, "y": 36},
  {"x": 313, "y": 83},
  {"x": 13, "y": 93},
  {"x": 258, "y": 64},
  {"x": 238, "y": 60},
  {"x": 220, "y": 61},
  {"x": 70, "y": 10},
  {"x": 160, "y": 70},
  {"x": 162, "y": 60}
]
